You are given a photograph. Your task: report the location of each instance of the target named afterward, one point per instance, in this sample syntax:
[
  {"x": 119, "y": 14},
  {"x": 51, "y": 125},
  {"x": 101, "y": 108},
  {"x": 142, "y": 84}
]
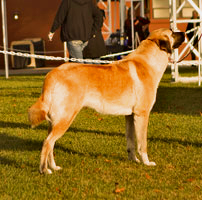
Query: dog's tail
[{"x": 36, "y": 113}]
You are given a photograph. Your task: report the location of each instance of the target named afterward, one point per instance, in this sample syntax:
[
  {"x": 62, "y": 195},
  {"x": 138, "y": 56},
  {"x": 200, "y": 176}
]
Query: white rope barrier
[
  {"x": 27, "y": 55},
  {"x": 38, "y": 52},
  {"x": 117, "y": 54},
  {"x": 187, "y": 63},
  {"x": 96, "y": 61}
]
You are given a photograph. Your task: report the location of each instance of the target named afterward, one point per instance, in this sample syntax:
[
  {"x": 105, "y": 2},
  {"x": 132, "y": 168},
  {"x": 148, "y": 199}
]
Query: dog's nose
[{"x": 179, "y": 38}]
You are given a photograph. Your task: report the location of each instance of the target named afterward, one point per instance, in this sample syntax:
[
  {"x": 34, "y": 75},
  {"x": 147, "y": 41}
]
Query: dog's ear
[{"x": 164, "y": 45}]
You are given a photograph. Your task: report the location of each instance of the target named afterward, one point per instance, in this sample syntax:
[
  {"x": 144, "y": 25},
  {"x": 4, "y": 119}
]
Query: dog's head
[{"x": 166, "y": 39}]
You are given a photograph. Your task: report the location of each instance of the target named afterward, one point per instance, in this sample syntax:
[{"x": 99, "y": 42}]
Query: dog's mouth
[{"x": 179, "y": 38}]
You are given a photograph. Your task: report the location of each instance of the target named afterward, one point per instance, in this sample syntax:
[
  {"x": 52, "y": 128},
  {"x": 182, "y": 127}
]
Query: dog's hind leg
[
  {"x": 130, "y": 135},
  {"x": 141, "y": 124},
  {"x": 58, "y": 130},
  {"x": 51, "y": 161}
]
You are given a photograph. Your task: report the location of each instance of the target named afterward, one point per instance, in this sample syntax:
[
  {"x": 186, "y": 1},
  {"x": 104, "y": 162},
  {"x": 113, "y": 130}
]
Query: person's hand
[
  {"x": 50, "y": 36},
  {"x": 137, "y": 22}
]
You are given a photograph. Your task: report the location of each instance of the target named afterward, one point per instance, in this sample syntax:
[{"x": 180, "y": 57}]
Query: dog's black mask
[{"x": 178, "y": 38}]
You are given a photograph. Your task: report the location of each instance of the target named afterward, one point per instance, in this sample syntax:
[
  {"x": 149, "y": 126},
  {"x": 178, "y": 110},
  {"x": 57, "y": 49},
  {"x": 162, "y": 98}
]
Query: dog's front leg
[
  {"x": 141, "y": 124},
  {"x": 130, "y": 134}
]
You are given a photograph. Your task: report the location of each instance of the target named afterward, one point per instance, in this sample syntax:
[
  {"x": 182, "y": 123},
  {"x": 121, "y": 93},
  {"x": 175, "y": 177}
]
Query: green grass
[{"x": 93, "y": 151}]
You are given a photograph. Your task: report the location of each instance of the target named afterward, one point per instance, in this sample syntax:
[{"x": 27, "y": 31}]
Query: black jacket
[
  {"x": 137, "y": 28},
  {"x": 79, "y": 20},
  {"x": 96, "y": 45}
]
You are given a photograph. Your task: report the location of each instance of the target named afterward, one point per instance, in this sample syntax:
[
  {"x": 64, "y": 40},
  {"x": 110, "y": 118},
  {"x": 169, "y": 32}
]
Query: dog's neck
[{"x": 162, "y": 45}]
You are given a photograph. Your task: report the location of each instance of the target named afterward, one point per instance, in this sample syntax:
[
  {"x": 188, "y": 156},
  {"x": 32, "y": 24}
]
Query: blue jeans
[{"x": 75, "y": 48}]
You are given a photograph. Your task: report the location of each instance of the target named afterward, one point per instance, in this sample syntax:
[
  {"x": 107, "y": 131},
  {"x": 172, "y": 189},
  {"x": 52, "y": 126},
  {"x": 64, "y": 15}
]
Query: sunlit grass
[{"x": 93, "y": 151}]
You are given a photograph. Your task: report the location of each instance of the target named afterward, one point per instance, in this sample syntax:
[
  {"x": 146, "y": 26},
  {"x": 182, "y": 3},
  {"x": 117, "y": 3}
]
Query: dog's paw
[
  {"x": 146, "y": 161},
  {"x": 56, "y": 168},
  {"x": 150, "y": 163},
  {"x": 48, "y": 171},
  {"x": 136, "y": 160},
  {"x": 45, "y": 171}
]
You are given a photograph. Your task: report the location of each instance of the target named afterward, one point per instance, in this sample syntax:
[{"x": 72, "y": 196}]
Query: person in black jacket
[
  {"x": 138, "y": 23},
  {"x": 96, "y": 45},
  {"x": 79, "y": 21},
  {"x": 191, "y": 34}
]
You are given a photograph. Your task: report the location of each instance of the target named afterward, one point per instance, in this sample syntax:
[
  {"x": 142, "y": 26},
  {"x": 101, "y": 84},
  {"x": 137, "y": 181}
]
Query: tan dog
[{"x": 127, "y": 87}]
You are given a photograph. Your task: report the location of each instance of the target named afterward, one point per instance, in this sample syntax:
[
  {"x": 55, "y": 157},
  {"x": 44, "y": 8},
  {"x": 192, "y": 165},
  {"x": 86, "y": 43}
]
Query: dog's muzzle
[{"x": 179, "y": 38}]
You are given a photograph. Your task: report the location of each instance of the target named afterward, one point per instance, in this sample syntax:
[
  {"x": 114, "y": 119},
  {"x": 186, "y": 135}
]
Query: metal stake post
[
  {"x": 5, "y": 35},
  {"x": 65, "y": 50},
  {"x": 200, "y": 47}
]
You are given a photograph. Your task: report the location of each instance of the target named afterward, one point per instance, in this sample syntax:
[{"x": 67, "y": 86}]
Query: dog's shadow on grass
[
  {"x": 4, "y": 124},
  {"x": 44, "y": 126},
  {"x": 15, "y": 143},
  {"x": 12, "y": 162},
  {"x": 8, "y": 142},
  {"x": 184, "y": 143}
]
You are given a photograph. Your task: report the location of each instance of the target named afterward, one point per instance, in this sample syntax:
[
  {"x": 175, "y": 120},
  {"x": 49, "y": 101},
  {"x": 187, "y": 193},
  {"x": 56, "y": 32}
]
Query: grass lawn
[{"x": 93, "y": 151}]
